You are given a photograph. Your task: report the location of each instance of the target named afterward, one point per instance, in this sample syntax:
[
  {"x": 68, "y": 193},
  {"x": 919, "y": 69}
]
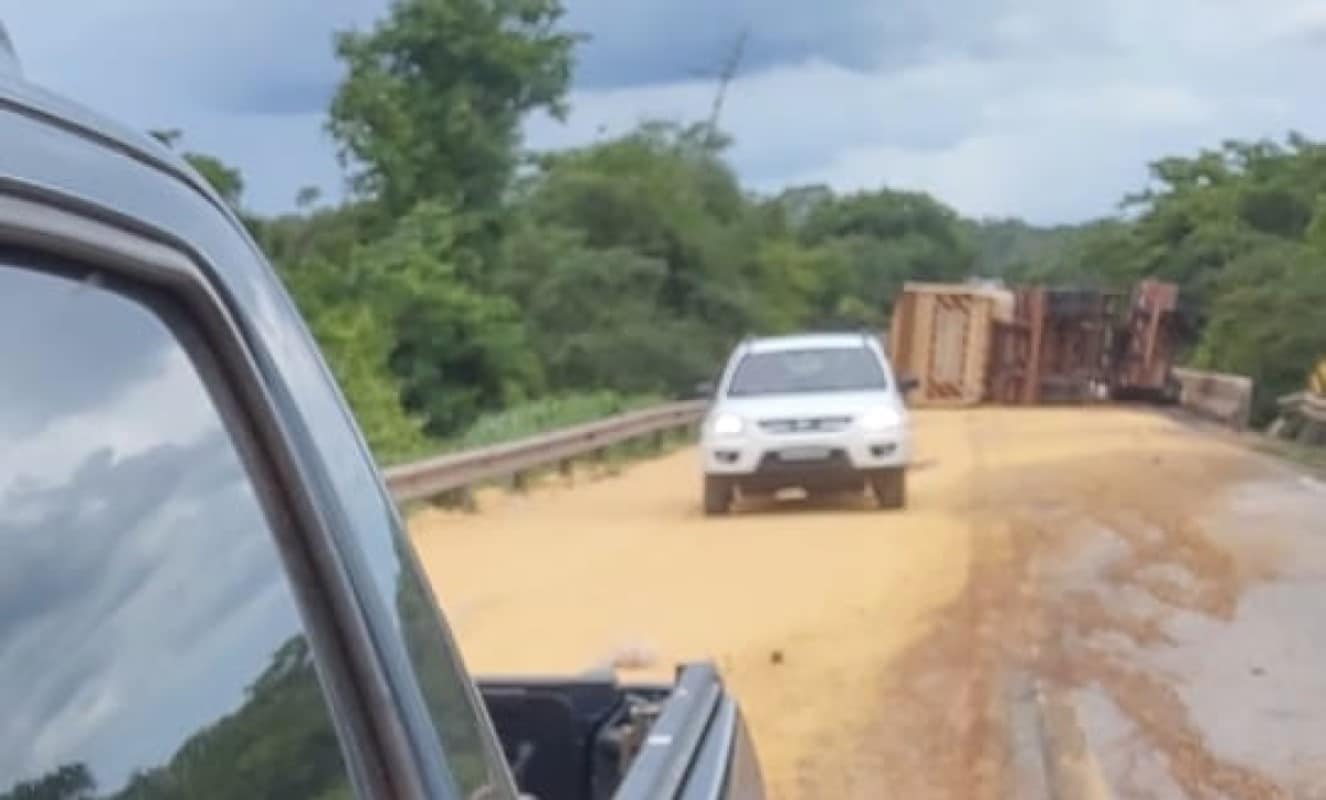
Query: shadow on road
[{"x": 797, "y": 502}]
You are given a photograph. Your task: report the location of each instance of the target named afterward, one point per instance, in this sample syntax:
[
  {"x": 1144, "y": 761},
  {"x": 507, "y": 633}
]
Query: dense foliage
[
  {"x": 277, "y": 744},
  {"x": 1242, "y": 230},
  {"x": 467, "y": 278}
]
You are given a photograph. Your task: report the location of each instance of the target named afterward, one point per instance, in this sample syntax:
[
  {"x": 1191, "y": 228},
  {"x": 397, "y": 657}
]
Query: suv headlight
[
  {"x": 880, "y": 419},
  {"x": 728, "y": 425}
]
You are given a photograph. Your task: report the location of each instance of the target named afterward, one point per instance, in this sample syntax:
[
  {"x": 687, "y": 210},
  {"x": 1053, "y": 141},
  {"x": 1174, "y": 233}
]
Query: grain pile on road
[{"x": 1064, "y": 563}]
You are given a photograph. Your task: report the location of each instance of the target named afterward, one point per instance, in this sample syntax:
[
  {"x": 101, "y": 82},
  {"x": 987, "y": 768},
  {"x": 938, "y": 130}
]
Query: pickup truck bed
[{"x": 593, "y": 738}]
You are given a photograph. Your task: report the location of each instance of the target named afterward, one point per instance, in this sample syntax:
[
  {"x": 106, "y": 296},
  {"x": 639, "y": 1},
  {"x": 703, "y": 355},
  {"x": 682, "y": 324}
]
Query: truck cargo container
[
  {"x": 1146, "y": 343},
  {"x": 940, "y": 335},
  {"x": 1082, "y": 345},
  {"x": 1055, "y": 349}
]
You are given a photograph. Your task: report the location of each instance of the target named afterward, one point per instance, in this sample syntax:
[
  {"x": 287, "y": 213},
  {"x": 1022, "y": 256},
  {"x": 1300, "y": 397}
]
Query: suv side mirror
[
  {"x": 704, "y": 389},
  {"x": 908, "y": 384}
]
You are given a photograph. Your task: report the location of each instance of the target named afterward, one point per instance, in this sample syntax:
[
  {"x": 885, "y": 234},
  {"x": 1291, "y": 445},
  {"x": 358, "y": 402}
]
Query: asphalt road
[{"x": 1092, "y": 602}]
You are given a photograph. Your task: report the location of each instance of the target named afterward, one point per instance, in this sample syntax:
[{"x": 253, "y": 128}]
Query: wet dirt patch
[{"x": 1080, "y": 581}]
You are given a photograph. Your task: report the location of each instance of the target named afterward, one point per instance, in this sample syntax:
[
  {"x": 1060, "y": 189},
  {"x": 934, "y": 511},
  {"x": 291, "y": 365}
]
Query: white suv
[{"x": 821, "y": 412}]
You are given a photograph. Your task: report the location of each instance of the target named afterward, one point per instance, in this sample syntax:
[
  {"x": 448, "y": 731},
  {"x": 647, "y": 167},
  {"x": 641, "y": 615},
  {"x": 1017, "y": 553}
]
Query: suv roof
[{"x": 809, "y": 341}]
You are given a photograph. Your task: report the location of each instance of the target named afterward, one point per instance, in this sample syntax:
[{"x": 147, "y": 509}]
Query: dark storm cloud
[
  {"x": 635, "y": 44},
  {"x": 966, "y": 98},
  {"x": 657, "y": 42},
  {"x": 247, "y": 55}
]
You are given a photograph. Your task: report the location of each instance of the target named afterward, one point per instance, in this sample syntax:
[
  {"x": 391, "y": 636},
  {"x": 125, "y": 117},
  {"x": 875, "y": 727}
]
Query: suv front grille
[{"x": 805, "y": 425}]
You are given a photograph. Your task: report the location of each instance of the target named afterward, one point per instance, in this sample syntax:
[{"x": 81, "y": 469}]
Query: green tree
[
  {"x": 881, "y": 240},
  {"x": 277, "y": 744},
  {"x": 225, "y": 179},
  {"x": 650, "y": 237},
  {"x": 1261, "y": 319},
  {"x": 358, "y": 345},
  {"x": 663, "y": 192},
  {"x": 307, "y": 197},
  {"x": 456, "y": 349},
  {"x": 66, "y": 782},
  {"x": 1011, "y": 247},
  {"x": 596, "y": 316},
  {"x": 432, "y": 105}
]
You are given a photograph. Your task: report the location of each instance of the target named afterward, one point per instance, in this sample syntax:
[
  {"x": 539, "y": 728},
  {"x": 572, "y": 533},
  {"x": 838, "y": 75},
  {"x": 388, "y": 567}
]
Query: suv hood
[{"x": 807, "y": 404}]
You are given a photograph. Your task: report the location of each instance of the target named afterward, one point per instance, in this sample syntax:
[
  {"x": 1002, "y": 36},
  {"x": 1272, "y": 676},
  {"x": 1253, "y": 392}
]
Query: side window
[
  {"x": 454, "y": 709},
  {"x": 150, "y": 645}
]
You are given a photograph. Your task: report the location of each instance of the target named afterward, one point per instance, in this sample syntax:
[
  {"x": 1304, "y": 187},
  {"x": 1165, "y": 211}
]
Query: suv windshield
[{"x": 790, "y": 371}]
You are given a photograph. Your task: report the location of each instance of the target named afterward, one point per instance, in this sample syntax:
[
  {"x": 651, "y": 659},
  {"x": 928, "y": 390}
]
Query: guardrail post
[{"x": 445, "y": 478}]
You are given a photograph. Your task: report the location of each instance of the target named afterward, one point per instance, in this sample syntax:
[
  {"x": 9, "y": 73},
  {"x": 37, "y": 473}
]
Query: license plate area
[{"x": 803, "y": 454}]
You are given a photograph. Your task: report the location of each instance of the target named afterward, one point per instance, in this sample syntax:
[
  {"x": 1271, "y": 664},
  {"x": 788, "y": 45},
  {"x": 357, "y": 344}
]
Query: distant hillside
[
  {"x": 1085, "y": 254},
  {"x": 1011, "y": 247}
]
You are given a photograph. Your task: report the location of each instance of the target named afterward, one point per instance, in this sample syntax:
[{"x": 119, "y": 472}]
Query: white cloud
[
  {"x": 953, "y": 96},
  {"x": 247, "y": 80},
  {"x": 132, "y": 539},
  {"x": 1050, "y": 112}
]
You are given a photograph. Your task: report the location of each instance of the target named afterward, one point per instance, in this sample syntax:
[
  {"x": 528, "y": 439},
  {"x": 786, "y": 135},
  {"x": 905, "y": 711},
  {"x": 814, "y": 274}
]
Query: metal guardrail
[
  {"x": 1305, "y": 403},
  {"x": 1219, "y": 396},
  {"x": 446, "y": 473},
  {"x": 1314, "y": 407}
]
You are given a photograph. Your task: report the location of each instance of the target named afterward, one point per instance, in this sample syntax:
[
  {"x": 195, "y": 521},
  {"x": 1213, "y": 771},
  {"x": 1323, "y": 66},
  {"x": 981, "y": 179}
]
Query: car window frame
[{"x": 376, "y": 749}]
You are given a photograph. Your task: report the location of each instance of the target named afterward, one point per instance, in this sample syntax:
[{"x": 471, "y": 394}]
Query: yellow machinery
[
  {"x": 1303, "y": 414},
  {"x": 1317, "y": 380}
]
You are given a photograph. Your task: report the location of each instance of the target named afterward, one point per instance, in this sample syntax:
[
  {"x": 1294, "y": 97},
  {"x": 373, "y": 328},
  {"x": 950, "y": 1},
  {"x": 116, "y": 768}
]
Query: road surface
[{"x": 1099, "y": 601}]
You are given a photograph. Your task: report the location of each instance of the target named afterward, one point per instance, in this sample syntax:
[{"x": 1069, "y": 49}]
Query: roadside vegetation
[
  {"x": 468, "y": 277},
  {"x": 1241, "y": 228}
]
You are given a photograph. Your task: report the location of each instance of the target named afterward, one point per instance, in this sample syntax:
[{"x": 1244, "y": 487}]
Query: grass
[
  {"x": 522, "y": 421},
  {"x": 553, "y": 413},
  {"x": 1314, "y": 458},
  {"x": 546, "y": 414}
]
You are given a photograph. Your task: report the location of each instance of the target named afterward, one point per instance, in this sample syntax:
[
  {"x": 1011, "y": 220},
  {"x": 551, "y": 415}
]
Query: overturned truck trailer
[
  {"x": 971, "y": 343},
  {"x": 1083, "y": 345},
  {"x": 1055, "y": 349},
  {"x": 1147, "y": 343},
  {"x": 940, "y": 335}
]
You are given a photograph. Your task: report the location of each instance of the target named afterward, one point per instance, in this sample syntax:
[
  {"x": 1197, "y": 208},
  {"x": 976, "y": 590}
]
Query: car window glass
[
  {"x": 150, "y": 645},
  {"x": 808, "y": 370}
]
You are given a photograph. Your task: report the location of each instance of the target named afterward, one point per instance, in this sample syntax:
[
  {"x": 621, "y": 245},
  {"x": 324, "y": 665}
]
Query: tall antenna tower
[{"x": 727, "y": 73}]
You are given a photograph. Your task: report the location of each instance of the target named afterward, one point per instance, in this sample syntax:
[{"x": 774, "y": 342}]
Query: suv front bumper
[{"x": 851, "y": 452}]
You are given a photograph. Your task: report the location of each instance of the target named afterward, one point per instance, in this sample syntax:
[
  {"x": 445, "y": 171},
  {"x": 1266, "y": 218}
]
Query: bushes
[{"x": 546, "y": 414}]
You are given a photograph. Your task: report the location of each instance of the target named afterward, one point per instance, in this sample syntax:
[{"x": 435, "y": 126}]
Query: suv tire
[
  {"x": 890, "y": 487},
  {"x": 717, "y": 495}
]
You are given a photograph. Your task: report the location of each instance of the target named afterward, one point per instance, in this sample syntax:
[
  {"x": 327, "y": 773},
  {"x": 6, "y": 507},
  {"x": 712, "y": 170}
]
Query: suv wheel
[
  {"x": 717, "y": 495},
  {"x": 890, "y": 487}
]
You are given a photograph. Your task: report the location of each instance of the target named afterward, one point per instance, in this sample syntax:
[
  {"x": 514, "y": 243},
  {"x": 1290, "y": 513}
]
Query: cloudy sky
[
  {"x": 131, "y": 540},
  {"x": 1039, "y": 108}
]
